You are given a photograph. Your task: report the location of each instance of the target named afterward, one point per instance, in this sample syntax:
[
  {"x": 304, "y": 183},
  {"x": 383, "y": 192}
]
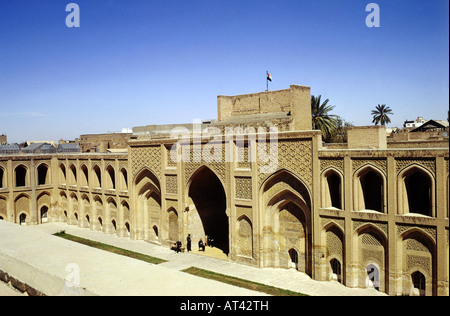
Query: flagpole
[{"x": 267, "y": 80}]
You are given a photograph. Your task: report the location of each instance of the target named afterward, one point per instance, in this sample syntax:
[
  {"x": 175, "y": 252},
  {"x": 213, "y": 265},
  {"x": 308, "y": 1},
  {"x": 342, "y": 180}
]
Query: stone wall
[
  {"x": 296, "y": 101},
  {"x": 370, "y": 137}
]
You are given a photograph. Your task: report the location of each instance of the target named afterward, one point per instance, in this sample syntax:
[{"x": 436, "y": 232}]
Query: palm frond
[
  {"x": 321, "y": 119},
  {"x": 380, "y": 114}
]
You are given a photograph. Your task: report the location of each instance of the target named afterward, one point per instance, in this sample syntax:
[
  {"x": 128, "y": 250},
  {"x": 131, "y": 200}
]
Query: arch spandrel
[{"x": 284, "y": 180}]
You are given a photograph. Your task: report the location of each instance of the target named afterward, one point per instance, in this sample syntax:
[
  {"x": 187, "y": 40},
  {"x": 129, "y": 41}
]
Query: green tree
[
  {"x": 381, "y": 114},
  {"x": 340, "y": 133},
  {"x": 321, "y": 119}
]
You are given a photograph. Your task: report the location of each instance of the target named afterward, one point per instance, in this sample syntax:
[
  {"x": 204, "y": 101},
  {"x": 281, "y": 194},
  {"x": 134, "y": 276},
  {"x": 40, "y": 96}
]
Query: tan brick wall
[
  {"x": 296, "y": 100},
  {"x": 370, "y": 137}
]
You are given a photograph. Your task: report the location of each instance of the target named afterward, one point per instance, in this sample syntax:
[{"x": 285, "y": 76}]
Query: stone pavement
[
  {"x": 38, "y": 262},
  {"x": 282, "y": 278}
]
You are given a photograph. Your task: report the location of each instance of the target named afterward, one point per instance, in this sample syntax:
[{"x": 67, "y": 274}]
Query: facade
[
  {"x": 100, "y": 143},
  {"x": 414, "y": 124},
  {"x": 261, "y": 184}
]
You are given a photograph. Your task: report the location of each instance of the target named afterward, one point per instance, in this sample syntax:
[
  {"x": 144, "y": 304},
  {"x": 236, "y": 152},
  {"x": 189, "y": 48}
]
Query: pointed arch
[
  {"x": 369, "y": 189},
  {"x": 73, "y": 175},
  {"x": 84, "y": 175},
  {"x": 112, "y": 211},
  {"x": 43, "y": 174},
  {"x": 43, "y": 201},
  {"x": 284, "y": 179},
  {"x": 123, "y": 181},
  {"x": 97, "y": 178},
  {"x": 148, "y": 201},
  {"x": 286, "y": 221},
  {"x": 416, "y": 252},
  {"x": 23, "y": 219},
  {"x": 201, "y": 169},
  {"x": 62, "y": 173},
  {"x": 112, "y": 201},
  {"x": 98, "y": 211},
  {"x": 110, "y": 178},
  {"x": 125, "y": 205},
  {"x": 74, "y": 196},
  {"x": 3, "y": 207},
  {"x": 333, "y": 239},
  {"x": 85, "y": 210},
  {"x": 416, "y": 191},
  {"x": 207, "y": 208},
  {"x": 86, "y": 202},
  {"x": 22, "y": 205},
  {"x": 146, "y": 178},
  {"x": 332, "y": 195},
  {"x": 98, "y": 200},
  {"x": 370, "y": 251},
  {"x": 172, "y": 216},
  {"x": 244, "y": 236},
  {"x": 21, "y": 176},
  {"x": 128, "y": 228}
]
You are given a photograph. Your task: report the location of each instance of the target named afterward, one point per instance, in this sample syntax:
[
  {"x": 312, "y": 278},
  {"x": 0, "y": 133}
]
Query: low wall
[{"x": 32, "y": 268}]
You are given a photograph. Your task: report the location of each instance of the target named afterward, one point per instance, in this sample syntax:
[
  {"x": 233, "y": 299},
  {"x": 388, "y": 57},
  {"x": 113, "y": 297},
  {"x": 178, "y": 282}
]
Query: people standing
[{"x": 188, "y": 242}]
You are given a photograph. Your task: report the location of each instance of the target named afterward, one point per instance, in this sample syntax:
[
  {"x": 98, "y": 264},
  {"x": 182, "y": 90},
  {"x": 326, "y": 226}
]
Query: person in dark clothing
[
  {"x": 201, "y": 245},
  {"x": 188, "y": 242},
  {"x": 210, "y": 241},
  {"x": 178, "y": 246}
]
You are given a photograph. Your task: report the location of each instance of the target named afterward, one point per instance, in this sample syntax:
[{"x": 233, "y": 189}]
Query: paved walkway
[
  {"x": 57, "y": 267},
  {"x": 281, "y": 278}
]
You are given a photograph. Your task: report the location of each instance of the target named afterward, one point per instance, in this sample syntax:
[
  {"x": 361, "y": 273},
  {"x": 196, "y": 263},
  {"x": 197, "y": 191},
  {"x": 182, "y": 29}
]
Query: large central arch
[{"x": 208, "y": 206}]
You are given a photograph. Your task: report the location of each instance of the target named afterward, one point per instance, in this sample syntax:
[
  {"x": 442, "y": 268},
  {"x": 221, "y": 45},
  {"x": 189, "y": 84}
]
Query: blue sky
[{"x": 141, "y": 62}]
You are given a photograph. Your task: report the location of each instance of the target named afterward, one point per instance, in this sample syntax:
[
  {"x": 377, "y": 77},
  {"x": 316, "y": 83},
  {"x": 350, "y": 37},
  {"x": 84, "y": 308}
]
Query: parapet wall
[
  {"x": 296, "y": 101},
  {"x": 367, "y": 137}
]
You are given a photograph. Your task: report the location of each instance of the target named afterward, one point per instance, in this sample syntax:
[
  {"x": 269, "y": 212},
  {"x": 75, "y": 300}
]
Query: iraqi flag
[{"x": 269, "y": 77}]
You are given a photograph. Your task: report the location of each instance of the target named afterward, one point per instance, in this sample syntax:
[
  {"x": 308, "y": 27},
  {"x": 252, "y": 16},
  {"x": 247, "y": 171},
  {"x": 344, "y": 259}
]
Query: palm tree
[
  {"x": 380, "y": 114},
  {"x": 321, "y": 120}
]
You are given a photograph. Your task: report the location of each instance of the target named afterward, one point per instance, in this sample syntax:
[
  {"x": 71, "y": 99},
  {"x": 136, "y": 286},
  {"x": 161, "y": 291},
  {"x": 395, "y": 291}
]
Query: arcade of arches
[
  {"x": 365, "y": 218},
  {"x": 338, "y": 227}
]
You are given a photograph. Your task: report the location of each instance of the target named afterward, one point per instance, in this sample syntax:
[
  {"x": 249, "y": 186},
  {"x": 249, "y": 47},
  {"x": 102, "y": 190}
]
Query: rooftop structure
[
  {"x": 3, "y": 139},
  {"x": 9, "y": 149}
]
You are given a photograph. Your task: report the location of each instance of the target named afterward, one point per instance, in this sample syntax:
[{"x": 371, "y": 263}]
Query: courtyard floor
[{"x": 281, "y": 278}]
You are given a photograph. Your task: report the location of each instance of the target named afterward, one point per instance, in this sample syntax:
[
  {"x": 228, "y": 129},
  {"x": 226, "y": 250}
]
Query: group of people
[{"x": 201, "y": 244}]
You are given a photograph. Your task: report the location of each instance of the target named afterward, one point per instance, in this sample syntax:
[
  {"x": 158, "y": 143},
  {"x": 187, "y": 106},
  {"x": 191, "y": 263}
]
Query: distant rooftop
[
  {"x": 9, "y": 149},
  {"x": 38, "y": 148},
  {"x": 68, "y": 148},
  {"x": 432, "y": 125}
]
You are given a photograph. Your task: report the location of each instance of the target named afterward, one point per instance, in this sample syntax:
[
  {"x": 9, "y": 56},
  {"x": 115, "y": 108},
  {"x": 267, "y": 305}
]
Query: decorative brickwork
[
  {"x": 146, "y": 157},
  {"x": 428, "y": 164},
  {"x": 335, "y": 163},
  {"x": 377, "y": 163},
  {"x": 244, "y": 188},
  {"x": 171, "y": 184},
  {"x": 197, "y": 159},
  {"x": 292, "y": 155}
]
